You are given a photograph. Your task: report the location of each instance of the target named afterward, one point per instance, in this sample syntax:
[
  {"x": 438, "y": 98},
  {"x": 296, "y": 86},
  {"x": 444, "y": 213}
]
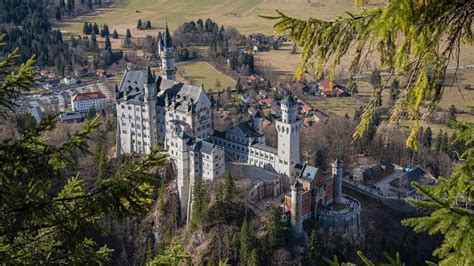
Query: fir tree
[
  {"x": 139, "y": 24},
  {"x": 253, "y": 259},
  {"x": 199, "y": 205},
  {"x": 108, "y": 44},
  {"x": 58, "y": 13},
  {"x": 451, "y": 114},
  {"x": 229, "y": 188},
  {"x": 275, "y": 230},
  {"x": 449, "y": 202},
  {"x": 248, "y": 242},
  {"x": 173, "y": 254},
  {"x": 427, "y": 137},
  {"x": 444, "y": 143},
  {"x": 312, "y": 252},
  {"x": 238, "y": 86},
  {"x": 148, "y": 24},
  {"x": 394, "y": 89},
  {"x": 106, "y": 30},
  {"x": 95, "y": 29},
  {"x": 115, "y": 35},
  {"x": 48, "y": 212},
  {"x": 439, "y": 140},
  {"x": 85, "y": 29}
]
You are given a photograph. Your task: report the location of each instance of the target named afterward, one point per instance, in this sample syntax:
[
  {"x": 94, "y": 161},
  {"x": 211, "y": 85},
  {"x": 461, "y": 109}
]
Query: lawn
[{"x": 198, "y": 73}]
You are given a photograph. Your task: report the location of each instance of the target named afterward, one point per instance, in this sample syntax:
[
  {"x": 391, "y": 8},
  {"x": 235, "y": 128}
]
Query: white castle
[{"x": 155, "y": 110}]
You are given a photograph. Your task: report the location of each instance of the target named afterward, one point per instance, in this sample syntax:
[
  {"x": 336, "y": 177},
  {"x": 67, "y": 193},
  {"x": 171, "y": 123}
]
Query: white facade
[
  {"x": 84, "y": 102},
  {"x": 288, "y": 128}
]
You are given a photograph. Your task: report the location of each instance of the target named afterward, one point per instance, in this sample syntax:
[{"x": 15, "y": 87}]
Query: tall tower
[
  {"x": 167, "y": 54},
  {"x": 150, "y": 99},
  {"x": 288, "y": 128},
  {"x": 296, "y": 207},
  {"x": 337, "y": 175}
]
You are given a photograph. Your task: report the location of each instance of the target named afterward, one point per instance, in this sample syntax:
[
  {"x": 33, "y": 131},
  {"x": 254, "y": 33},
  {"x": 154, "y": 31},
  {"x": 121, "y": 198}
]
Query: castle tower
[
  {"x": 150, "y": 100},
  {"x": 258, "y": 122},
  {"x": 296, "y": 208},
  {"x": 337, "y": 175},
  {"x": 167, "y": 54},
  {"x": 183, "y": 179},
  {"x": 288, "y": 128}
]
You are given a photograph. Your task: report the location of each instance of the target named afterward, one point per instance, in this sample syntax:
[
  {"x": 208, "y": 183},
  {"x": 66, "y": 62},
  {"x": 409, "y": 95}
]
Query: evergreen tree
[
  {"x": 248, "y": 242},
  {"x": 250, "y": 65},
  {"x": 449, "y": 202},
  {"x": 199, "y": 205},
  {"x": 115, "y": 35},
  {"x": 106, "y": 30},
  {"x": 86, "y": 29},
  {"x": 238, "y": 86},
  {"x": 95, "y": 29},
  {"x": 25, "y": 123},
  {"x": 94, "y": 42},
  {"x": 451, "y": 114},
  {"x": 253, "y": 259},
  {"x": 48, "y": 213},
  {"x": 128, "y": 35},
  {"x": 173, "y": 254},
  {"x": 139, "y": 24},
  {"x": 378, "y": 100},
  {"x": 148, "y": 24},
  {"x": 427, "y": 137},
  {"x": 229, "y": 188},
  {"x": 394, "y": 89},
  {"x": 108, "y": 44},
  {"x": 444, "y": 143},
  {"x": 89, "y": 4},
  {"x": 62, "y": 4},
  {"x": 439, "y": 140},
  {"x": 58, "y": 13},
  {"x": 275, "y": 229},
  {"x": 312, "y": 252}
]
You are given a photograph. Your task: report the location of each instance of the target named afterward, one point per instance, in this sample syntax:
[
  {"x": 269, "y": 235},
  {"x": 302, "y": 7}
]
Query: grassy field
[
  {"x": 203, "y": 73},
  {"x": 242, "y": 14}
]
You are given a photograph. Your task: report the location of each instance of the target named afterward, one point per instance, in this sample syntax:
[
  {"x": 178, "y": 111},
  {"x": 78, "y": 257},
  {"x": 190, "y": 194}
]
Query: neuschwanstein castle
[{"x": 154, "y": 110}]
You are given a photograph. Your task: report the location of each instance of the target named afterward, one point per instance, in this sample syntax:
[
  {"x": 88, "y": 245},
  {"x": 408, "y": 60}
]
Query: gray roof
[
  {"x": 204, "y": 146},
  {"x": 167, "y": 37},
  {"x": 248, "y": 130},
  {"x": 288, "y": 100},
  {"x": 187, "y": 97}
]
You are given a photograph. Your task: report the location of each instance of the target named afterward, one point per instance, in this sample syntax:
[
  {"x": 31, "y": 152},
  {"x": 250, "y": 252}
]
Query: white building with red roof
[{"x": 84, "y": 102}]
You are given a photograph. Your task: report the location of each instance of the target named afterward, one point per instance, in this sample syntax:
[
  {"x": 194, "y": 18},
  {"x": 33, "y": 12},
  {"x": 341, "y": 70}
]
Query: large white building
[
  {"x": 84, "y": 102},
  {"x": 155, "y": 111}
]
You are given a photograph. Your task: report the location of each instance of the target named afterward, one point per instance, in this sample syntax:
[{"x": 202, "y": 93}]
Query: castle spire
[
  {"x": 150, "y": 78},
  {"x": 167, "y": 36}
]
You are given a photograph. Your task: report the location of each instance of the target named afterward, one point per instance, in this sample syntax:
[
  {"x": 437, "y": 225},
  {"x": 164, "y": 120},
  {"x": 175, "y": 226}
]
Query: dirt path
[{"x": 253, "y": 8}]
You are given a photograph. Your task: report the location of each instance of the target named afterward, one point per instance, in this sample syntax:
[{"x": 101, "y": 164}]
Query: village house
[{"x": 320, "y": 117}]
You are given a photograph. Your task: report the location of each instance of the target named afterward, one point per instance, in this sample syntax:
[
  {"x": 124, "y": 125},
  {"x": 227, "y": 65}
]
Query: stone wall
[{"x": 266, "y": 189}]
